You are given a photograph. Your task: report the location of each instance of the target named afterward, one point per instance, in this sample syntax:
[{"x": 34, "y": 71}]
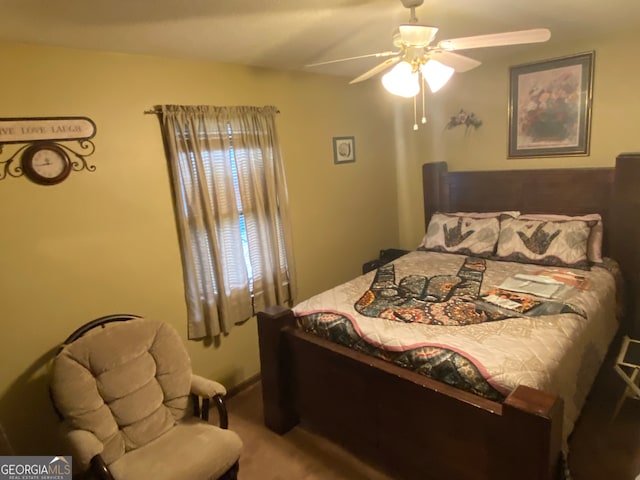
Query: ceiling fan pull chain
[
  {"x": 424, "y": 118},
  {"x": 415, "y": 114}
]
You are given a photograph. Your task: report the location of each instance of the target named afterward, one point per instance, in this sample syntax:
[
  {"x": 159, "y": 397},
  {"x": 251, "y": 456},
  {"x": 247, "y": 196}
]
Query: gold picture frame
[{"x": 550, "y": 107}]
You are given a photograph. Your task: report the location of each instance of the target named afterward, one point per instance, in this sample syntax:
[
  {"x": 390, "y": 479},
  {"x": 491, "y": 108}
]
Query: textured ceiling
[{"x": 287, "y": 34}]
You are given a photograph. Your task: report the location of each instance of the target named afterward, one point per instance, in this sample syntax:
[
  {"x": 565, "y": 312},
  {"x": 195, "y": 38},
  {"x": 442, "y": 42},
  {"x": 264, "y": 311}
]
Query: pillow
[
  {"x": 464, "y": 235},
  {"x": 562, "y": 244},
  {"x": 594, "y": 244}
]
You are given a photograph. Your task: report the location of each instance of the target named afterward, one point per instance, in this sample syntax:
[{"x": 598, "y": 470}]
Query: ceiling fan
[{"x": 417, "y": 57}]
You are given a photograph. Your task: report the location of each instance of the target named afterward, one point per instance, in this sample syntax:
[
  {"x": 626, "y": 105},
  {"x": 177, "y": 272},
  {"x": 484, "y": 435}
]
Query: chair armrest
[
  {"x": 205, "y": 388},
  {"x": 208, "y": 390},
  {"x": 84, "y": 444}
]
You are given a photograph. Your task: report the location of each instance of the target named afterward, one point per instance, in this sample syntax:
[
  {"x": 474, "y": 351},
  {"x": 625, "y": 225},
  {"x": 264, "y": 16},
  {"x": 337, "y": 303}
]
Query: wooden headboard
[{"x": 614, "y": 193}]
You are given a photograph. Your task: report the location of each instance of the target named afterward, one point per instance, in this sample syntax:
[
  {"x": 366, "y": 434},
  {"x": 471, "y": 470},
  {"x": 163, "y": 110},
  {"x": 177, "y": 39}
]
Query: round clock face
[{"x": 46, "y": 164}]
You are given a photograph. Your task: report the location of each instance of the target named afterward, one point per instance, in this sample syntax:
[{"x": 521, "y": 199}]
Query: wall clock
[{"x": 46, "y": 163}]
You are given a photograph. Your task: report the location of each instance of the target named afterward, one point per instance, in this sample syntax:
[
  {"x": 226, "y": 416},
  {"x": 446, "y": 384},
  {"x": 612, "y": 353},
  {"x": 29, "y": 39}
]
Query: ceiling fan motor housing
[{"x": 412, "y": 3}]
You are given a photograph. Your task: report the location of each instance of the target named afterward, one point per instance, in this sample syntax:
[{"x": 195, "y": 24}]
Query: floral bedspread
[{"x": 443, "y": 315}]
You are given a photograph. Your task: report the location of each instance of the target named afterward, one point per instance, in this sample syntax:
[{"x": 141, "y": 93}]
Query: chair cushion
[
  {"x": 192, "y": 450},
  {"x": 128, "y": 383}
]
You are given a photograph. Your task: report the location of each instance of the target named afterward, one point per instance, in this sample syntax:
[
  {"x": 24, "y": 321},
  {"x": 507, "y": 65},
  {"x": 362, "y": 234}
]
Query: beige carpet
[
  {"x": 602, "y": 448},
  {"x": 297, "y": 455}
]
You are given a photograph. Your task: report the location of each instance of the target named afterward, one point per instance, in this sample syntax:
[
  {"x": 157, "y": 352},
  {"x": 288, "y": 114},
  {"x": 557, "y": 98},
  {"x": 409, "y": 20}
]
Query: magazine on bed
[
  {"x": 538, "y": 285},
  {"x": 566, "y": 277},
  {"x": 510, "y": 300}
]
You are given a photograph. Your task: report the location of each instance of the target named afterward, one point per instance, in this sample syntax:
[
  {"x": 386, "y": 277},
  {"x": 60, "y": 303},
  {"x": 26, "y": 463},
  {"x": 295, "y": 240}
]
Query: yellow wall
[
  {"x": 485, "y": 90},
  {"x": 105, "y": 242}
]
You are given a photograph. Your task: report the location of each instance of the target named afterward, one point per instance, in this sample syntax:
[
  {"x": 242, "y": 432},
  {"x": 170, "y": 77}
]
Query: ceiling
[{"x": 288, "y": 34}]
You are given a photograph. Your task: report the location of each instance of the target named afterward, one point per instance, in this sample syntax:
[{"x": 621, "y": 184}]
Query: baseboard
[{"x": 249, "y": 382}]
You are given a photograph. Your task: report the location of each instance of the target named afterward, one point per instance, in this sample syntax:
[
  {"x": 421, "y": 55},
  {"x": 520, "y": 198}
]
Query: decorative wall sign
[
  {"x": 44, "y": 154},
  {"x": 464, "y": 118}
]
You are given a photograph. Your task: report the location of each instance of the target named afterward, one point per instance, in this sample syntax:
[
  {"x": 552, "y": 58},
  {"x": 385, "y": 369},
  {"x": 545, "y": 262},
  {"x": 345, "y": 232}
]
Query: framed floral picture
[
  {"x": 550, "y": 107},
  {"x": 344, "y": 149}
]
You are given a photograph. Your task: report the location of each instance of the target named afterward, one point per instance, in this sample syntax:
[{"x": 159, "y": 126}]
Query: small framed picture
[{"x": 344, "y": 149}]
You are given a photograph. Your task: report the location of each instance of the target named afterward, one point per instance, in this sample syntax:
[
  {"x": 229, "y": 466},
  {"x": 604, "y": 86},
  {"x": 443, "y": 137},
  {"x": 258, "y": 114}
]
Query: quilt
[{"x": 443, "y": 315}]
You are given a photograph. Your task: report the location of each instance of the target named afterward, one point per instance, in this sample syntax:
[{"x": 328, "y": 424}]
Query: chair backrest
[{"x": 127, "y": 383}]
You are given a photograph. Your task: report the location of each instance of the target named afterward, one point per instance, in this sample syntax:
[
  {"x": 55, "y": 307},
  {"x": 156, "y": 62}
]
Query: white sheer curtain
[{"x": 232, "y": 213}]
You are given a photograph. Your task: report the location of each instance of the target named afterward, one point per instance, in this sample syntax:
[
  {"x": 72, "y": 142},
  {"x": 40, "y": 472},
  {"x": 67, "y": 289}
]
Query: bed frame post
[
  {"x": 626, "y": 202},
  {"x": 280, "y": 414},
  {"x": 534, "y": 421}
]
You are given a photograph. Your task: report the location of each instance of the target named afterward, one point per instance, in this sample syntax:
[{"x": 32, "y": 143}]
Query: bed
[{"x": 478, "y": 421}]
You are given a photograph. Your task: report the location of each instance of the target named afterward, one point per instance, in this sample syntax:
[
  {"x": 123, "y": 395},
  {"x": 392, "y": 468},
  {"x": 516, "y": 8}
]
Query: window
[{"x": 230, "y": 198}]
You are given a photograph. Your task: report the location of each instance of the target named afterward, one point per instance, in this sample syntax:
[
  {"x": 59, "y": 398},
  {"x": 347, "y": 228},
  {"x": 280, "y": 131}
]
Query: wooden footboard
[{"x": 410, "y": 425}]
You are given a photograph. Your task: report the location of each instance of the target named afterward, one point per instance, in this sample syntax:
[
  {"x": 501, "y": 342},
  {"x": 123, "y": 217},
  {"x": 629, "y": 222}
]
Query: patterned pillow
[
  {"x": 464, "y": 235},
  {"x": 543, "y": 242},
  {"x": 594, "y": 245}
]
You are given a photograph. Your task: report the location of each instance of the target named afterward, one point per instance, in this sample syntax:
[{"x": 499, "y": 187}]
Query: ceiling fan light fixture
[
  {"x": 436, "y": 74},
  {"x": 401, "y": 80}
]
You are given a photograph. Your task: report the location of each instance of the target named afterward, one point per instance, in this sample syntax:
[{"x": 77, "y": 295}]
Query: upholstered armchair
[{"x": 131, "y": 408}]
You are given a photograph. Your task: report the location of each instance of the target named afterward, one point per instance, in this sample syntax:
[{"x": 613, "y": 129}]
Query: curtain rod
[{"x": 157, "y": 111}]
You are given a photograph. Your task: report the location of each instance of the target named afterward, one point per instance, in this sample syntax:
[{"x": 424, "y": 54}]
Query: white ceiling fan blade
[
  {"x": 458, "y": 62},
  {"x": 535, "y": 35},
  {"x": 377, "y": 69},
  {"x": 379, "y": 54}
]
